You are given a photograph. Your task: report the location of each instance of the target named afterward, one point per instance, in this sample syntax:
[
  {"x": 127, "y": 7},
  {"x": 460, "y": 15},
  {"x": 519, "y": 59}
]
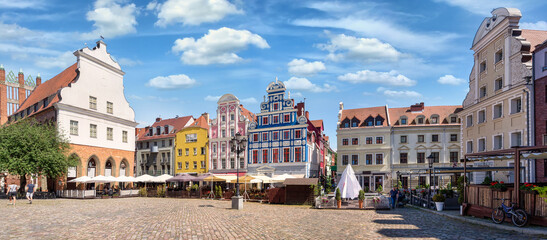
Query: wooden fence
[{"x": 481, "y": 200}]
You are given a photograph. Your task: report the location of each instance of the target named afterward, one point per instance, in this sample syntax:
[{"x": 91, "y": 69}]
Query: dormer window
[
  {"x": 354, "y": 124},
  {"x": 166, "y": 130},
  {"x": 151, "y": 132},
  {"x": 379, "y": 121},
  {"x": 158, "y": 130},
  {"x": 403, "y": 120},
  {"x": 369, "y": 122},
  {"x": 453, "y": 119},
  {"x": 434, "y": 119},
  {"x": 346, "y": 125},
  {"x": 420, "y": 119}
]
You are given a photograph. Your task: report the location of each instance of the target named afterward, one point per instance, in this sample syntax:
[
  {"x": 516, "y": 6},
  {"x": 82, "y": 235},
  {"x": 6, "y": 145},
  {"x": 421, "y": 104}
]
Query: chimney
[
  {"x": 2, "y": 73},
  {"x": 300, "y": 107},
  {"x": 418, "y": 107},
  {"x": 206, "y": 116},
  {"x": 21, "y": 78},
  {"x": 158, "y": 119},
  {"x": 307, "y": 115},
  {"x": 38, "y": 80}
]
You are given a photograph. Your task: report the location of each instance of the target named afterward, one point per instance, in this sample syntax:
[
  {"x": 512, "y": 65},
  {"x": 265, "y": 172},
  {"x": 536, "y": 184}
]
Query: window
[
  {"x": 499, "y": 56},
  {"x": 166, "y": 129},
  {"x": 287, "y": 118},
  {"x": 162, "y": 143},
  {"x": 369, "y": 122},
  {"x": 232, "y": 163},
  {"x": 255, "y": 137},
  {"x": 421, "y": 138},
  {"x": 354, "y": 160},
  {"x": 124, "y": 136},
  {"x": 202, "y": 150},
  {"x": 241, "y": 163},
  {"x": 179, "y": 165},
  {"x": 435, "y": 156},
  {"x": 264, "y": 137},
  {"x": 482, "y": 116},
  {"x": 498, "y": 84},
  {"x": 545, "y": 139},
  {"x": 109, "y": 134},
  {"x": 403, "y": 158},
  {"x": 346, "y": 125},
  {"x": 192, "y": 137},
  {"x": 232, "y": 132},
  {"x": 275, "y": 119},
  {"x": 297, "y": 154},
  {"x": 297, "y": 134},
  {"x": 195, "y": 151},
  {"x": 93, "y": 103},
  {"x": 275, "y": 136},
  {"x": 482, "y": 92},
  {"x": 345, "y": 160},
  {"x": 223, "y": 148},
  {"x": 187, "y": 165},
  {"x": 469, "y": 120},
  {"x": 482, "y": 67},
  {"x": 516, "y": 139},
  {"x": 403, "y": 121},
  {"x": 223, "y": 118},
  {"x": 453, "y": 157},
  {"x": 355, "y": 141},
  {"x": 275, "y": 155},
  {"x": 214, "y": 148},
  {"x": 286, "y": 135},
  {"x": 435, "y": 138},
  {"x": 232, "y": 117},
  {"x": 215, "y": 164},
  {"x": 379, "y": 140},
  {"x": 265, "y": 156},
  {"x": 420, "y": 157},
  {"x": 368, "y": 159},
  {"x": 276, "y": 106},
  {"x": 498, "y": 111},
  {"x": 147, "y": 144},
  {"x": 379, "y": 159},
  {"x": 434, "y": 120},
  {"x": 195, "y": 164},
  {"x": 368, "y": 140},
  {"x": 223, "y": 163},
  {"x": 93, "y": 131},
  {"x": 516, "y": 105},
  {"x": 453, "y": 137},
  {"x": 379, "y": 122},
  {"x": 109, "y": 107},
  {"x": 202, "y": 164},
  {"x": 421, "y": 180},
  {"x": 420, "y": 120},
  {"x": 187, "y": 150},
  {"x": 353, "y": 124},
  {"x": 73, "y": 127},
  {"x": 453, "y": 119},
  {"x": 482, "y": 145},
  {"x": 469, "y": 146},
  {"x": 403, "y": 139},
  {"x": 498, "y": 142},
  {"x": 264, "y": 120},
  {"x": 286, "y": 154}
]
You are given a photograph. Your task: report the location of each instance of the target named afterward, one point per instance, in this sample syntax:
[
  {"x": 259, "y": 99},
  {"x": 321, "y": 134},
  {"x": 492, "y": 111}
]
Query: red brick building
[{"x": 540, "y": 105}]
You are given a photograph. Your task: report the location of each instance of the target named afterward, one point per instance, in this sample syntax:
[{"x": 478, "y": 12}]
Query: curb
[{"x": 487, "y": 224}]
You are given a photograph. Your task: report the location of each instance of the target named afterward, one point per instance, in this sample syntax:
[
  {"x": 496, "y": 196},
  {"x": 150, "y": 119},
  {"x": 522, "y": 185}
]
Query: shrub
[
  {"x": 438, "y": 198},
  {"x": 367, "y": 189},
  {"x": 143, "y": 192},
  {"x": 338, "y": 195},
  {"x": 487, "y": 180},
  {"x": 361, "y": 195},
  {"x": 195, "y": 187},
  {"x": 218, "y": 191},
  {"x": 460, "y": 182},
  {"x": 160, "y": 191},
  {"x": 542, "y": 192},
  {"x": 379, "y": 189}
]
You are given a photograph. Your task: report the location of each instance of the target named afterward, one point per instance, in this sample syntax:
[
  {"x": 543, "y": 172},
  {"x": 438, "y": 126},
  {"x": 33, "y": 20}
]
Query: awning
[{"x": 541, "y": 155}]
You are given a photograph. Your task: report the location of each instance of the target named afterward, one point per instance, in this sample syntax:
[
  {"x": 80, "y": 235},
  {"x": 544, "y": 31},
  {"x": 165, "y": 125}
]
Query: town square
[{"x": 274, "y": 119}]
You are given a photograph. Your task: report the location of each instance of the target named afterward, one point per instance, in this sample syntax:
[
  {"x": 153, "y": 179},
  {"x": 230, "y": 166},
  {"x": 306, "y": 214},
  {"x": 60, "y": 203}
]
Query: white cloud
[
  {"x": 171, "y": 82},
  {"x": 402, "y": 94},
  {"x": 129, "y": 62},
  {"x": 22, "y": 4},
  {"x": 250, "y": 100},
  {"x": 392, "y": 78},
  {"x": 539, "y": 25},
  {"x": 450, "y": 80},
  {"x": 62, "y": 61},
  {"x": 480, "y": 7},
  {"x": 343, "y": 47},
  {"x": 111, "y": 19},
  {"x": 304, "y": 84},
  {"x": 212, "y": 98},
  {"x": 192, "y": 12},
  {"x": 217, "y": 46},
  {"x": 301, "y": 67}
]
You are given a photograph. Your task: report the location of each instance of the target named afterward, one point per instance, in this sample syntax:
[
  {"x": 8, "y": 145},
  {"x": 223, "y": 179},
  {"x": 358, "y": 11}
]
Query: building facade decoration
[
  {"x": 192, "y": 147},
  {"x": 155, "y": 152},
  {"x": 13, "y": 91},
  {"x": 498, "y": 107}
]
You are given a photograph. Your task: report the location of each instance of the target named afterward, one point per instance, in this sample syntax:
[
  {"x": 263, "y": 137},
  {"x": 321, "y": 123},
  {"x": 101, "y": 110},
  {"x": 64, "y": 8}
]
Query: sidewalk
[{"x": 529, "y": 229}]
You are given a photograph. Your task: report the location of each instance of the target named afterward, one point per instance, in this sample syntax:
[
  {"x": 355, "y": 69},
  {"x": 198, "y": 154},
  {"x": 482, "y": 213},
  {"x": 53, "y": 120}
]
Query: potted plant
[
  {"x": 528, "y": 187},
  {"x": 439, "y": 201},
  {"x": 542, "y": 192},
  {"x": 498, "y": 186},
  {"x": 379, "y": 189},
  {"x": 338, "y": 198},
  {"x": 361, "y": 198}
]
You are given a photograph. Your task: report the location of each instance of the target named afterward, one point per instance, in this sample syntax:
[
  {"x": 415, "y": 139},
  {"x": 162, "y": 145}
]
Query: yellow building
[{"x": 192, "y": 147}]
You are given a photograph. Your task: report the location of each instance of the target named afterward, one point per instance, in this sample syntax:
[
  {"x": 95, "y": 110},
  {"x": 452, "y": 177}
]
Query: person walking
[
  {"x": 394, "y": 194},
  {"x": 30, "y": 192},
  {"x": 12, "y": 193}
]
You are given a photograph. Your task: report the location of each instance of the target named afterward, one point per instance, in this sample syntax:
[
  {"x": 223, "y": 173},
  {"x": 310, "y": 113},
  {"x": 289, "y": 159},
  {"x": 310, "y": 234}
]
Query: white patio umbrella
[
  {"x": 281, "y": 178},
  {"x": 82, "y": 179},
  {"x": 125, "y": 179},
  {"x": 99, "y": 179},
  {"x": 144, "y": 178},
  {"x": 161, "y": 178},
  {"x": 348, "y": 185}
]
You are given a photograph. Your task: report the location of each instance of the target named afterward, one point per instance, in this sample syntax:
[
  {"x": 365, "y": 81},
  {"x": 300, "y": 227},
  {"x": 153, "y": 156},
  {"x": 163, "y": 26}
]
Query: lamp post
[
  {"x": 430, "y": 159},
  {"x": 237, "y": 146}
]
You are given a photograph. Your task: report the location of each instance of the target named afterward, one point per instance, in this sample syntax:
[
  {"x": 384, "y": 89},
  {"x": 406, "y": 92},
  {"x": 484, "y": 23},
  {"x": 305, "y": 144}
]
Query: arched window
[
  {"x": 123, "y": 167},
  {"x": 108, "y": 168},
  {"x": 434, "y": 119},
  {"x": 91, "y": 166},
  {"x": 420, "y": 119}
]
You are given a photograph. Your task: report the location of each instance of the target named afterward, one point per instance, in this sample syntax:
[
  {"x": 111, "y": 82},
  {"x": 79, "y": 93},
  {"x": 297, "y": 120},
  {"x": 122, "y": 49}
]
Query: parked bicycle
[{"x": 518, "y": 216}]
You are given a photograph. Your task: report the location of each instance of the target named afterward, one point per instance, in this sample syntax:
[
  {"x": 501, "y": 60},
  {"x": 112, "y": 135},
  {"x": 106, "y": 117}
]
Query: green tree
[{"x": 30, "y": 148}]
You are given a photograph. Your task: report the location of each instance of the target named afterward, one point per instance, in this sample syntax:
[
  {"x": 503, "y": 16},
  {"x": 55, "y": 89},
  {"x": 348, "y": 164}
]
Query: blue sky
[{"x": 181, "y": 55}]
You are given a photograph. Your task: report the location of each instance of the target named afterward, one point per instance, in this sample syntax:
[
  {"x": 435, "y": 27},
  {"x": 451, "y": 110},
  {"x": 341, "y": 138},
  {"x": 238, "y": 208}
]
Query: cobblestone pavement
[{"x": 155, "y": 218}]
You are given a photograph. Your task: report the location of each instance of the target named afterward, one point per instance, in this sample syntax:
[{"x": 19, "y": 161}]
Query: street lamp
[
  {"x": 430, "y": 160},
  {"x": 237, "y": 146}
]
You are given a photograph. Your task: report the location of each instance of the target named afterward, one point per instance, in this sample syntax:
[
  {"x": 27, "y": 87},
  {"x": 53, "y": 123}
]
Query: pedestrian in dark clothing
[{"x": 394, "y": 194}]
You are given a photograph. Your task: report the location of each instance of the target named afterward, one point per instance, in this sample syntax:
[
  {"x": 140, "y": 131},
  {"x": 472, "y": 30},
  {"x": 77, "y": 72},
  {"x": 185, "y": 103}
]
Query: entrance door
[
  {"x": 366, "y": 183},
  {"x": 378, "y": 180}
]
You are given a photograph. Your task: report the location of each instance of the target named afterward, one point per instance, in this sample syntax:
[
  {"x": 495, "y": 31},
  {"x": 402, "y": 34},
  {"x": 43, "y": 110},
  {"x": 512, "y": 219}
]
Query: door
[
  {"x": 366, "y": 183},
  {"x": 378, "y": 180}
]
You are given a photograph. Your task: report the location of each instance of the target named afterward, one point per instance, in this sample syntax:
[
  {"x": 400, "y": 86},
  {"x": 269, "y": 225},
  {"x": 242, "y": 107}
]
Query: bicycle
[{"x": 518, "y": 216}]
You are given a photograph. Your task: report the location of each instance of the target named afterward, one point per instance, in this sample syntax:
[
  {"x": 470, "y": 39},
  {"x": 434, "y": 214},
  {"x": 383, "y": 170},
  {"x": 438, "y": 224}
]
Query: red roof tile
[
  {"x": 535, "y": 37},
  {"x": 248, "y": 114},
  {"x": 50, "y": 87},
  {"x": 318, "y": 124},
  {"x": 363, "y": 113},
  {"x": 177, "y": 123},
  {"x": 201, "y": 122},
  {"x": 444, "y": 113}
]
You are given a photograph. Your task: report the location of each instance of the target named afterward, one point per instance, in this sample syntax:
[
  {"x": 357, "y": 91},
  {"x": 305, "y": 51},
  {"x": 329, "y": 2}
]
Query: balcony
[{"x": 154, "y": 149}]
